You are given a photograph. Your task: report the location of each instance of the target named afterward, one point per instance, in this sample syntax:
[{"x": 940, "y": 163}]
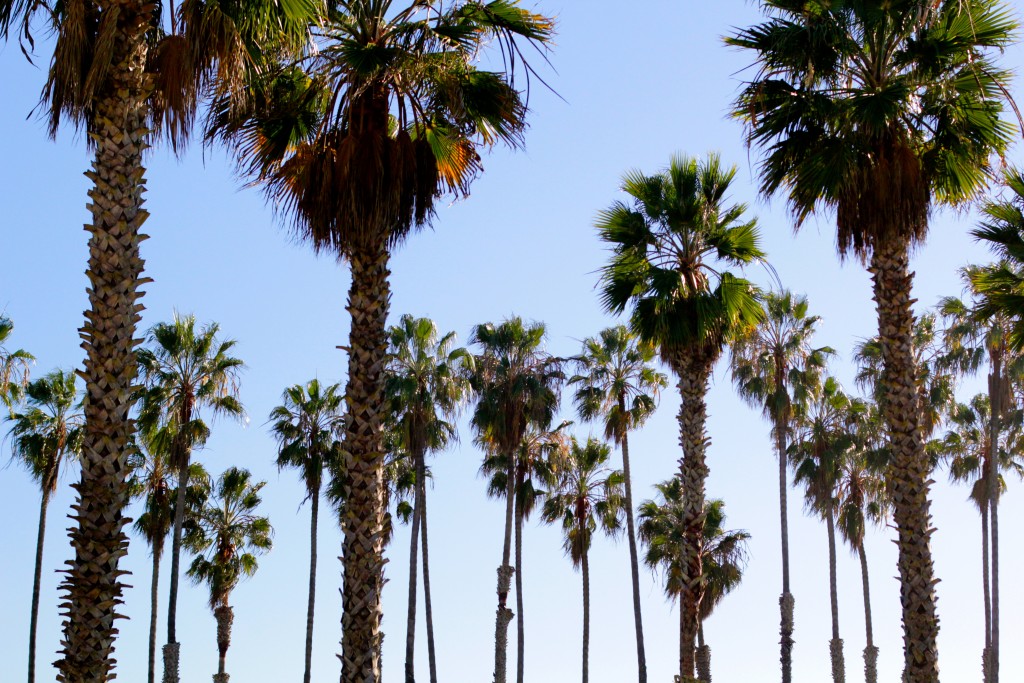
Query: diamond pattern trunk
[
  {"x": 363, "y": 560},
  {"x": 92, "y": 585},
  {"x": 909, "y": 469}
]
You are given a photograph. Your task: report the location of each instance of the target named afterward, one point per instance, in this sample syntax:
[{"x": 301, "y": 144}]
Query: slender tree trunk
[
  {"x": 703, "y": 656},
  {"x": 836, "y": 644},
  {"x": 313, "y": 521},
  {"x": 92, "y": 586},
  {"x": 426, "y": 587},
  {"x": 994, "y": 653},
  {"x": 34, "y": 619},
  {"x": 985, "y": 570},
  {"x": 586, "y": 617},
  {"x": 634, "y": 566},
  {"x": 504, "y": 615},
  {"x": 870, "y": 651},
  {"x": 682, "y": 639},
  {"x": 410, "y": 627},
  {"x": 172, "y": 650},
  {"x": 786, "y": 600},
  {"x": 694, "y": 371},
  {"x": 998, "y": 392},
  {"x": 154, "y": 605},
  {"x": 520, "y": 634},
  {"x": 909, "y": 471},
  {"x": 225, "y": 617},
  {"x": 362, "y": 549}
]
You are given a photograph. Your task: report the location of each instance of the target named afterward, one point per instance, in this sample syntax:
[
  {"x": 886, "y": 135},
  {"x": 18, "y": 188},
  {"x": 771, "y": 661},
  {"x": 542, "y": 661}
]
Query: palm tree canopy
[
  {"x": 47, "y": 433},
  {"x": 14, "y": 365},
  {"x": 308, "y": 426},
  {"x": 823, "y": 441},
  {"x": 872, "y": 109},
  {"x": 670, "y": 248},
  {"x": 539, "y": 454},
  {"x": 227, "y": 535}
]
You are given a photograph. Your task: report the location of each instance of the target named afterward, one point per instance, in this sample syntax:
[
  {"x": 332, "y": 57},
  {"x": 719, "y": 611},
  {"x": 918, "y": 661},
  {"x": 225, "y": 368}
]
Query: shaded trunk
[
  {"x": 836, "y": 644},
  {"x": 909, "y": 470},
  {"x": 634, "y": 566},
  {"x": 586, "y": 617},
  {"x": 426, "y": 587},
  {"x": 703, "y": 656},
  {"x": 504, "y": 614},
  {"x": 225, "y": 617},
  {"x": 998, "y": 390},
  {"x": 786, "y": 600},
  {"x": 154, "y": 605},
  {"x": 985, "y": 570},
  {"x": 363, "y": 521},
  {"x": 520, "y": 635},
  {"x": 410, "y": 626},
  {"x": 870, "y": 651},
  {"x": 92, "y": 586},
  {"x": 313, "y": 520},
  {"x": 994, "y": 647},
  {"x": 34, "y": 619},
  {"x": 172, "y": 650}
]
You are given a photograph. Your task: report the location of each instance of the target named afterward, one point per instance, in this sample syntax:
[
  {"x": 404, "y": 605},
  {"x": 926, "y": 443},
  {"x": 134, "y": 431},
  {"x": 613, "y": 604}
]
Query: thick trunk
[
  {"x": 520, "y": 635},
  {"x": 92, "y": 585},
  {"x": 634, "y": 566},
  {"x": 985, "y": 570},
  {"x": 154, "y": 605},
  {"x": 504, "y": 614},
  {"x": 786, "y": 601},
  {"x": 703, "y": 656},
  {"x": 34, "y": 619},
  {"x": 694, "y": 371},
  {"x": 225, "y": 617},
  {"x": 410, "y": 625},
  {"x": 427, "y": 609},
  {"x": 836, "y": 644},
  {"x": 586, "y": 617},
  {"x": 314, "y": 517},
  {"x": 909, "y": 469},
  {"x": 870, "y": 651},
  {"x": 362, "y": 549}
]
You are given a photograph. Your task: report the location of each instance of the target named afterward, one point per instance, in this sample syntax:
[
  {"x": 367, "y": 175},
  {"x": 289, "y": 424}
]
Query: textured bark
[
  {"x": 786, "y": 604},
  {"x": 694, "y": 371},
  {"x": 586, "y": 617},
  {"x": 429, "y": 613},
  {"x": 835, "y": 649},
  {"x": 520, "y": 625},
  {"x": 634, "y": 566},
  {"x": 410, "y": 622},
  {"x": 909, "y": 470},
  {"x": 836, "y": 644},
  {"x": 154, "y": 604},
  {"x": 786, "y": 600},
  {"x": 92, "y": 586},
  {"x": 504, "y": 614},
  {"x": 870, "y": 651},
  {"x": 314, "y": 517},
  {"x": 703, "y": 657},
  {"x": 34, "y": 619},
  {"x": 225, "y": 617},
  {"x": 363, "y": 560},
  {"x": 985, "y": 570}
]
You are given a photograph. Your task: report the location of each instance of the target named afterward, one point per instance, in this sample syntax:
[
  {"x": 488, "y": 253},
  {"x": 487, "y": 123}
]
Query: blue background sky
[{"x": 640, "y": 81}]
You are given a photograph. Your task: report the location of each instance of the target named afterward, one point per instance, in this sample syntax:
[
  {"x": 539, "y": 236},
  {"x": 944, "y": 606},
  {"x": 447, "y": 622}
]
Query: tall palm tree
[
  {"x": 616, "y": 383},
  {"x": 227, "y": 536},
  {"x": 773, "y": 367},
  {"x": 586, "y": 495},
  {"x": 670, "y": 250},
  {"x": 383, "y": 115},
  {"x": 46, "y": 436},
  {"x": 307, "y": 426},
  {"x": 822, "y": 442},
  {"x": 126, "y": 73},
  {"x": 426, "y": 383},
  {"x": 14, "y": 366},
  {"x": 516, "y": 384},
  {"x": 724, "y": 555},
  {"x": 188, "y": 372},
  {"x": 878, "y": 111}
]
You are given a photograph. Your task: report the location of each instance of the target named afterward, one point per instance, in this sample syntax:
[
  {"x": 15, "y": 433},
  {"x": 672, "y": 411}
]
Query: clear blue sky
[{"x": 640, "y": 82}]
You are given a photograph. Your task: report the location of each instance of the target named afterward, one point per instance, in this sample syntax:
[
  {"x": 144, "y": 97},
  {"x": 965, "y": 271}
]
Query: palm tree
[
  {"x": 877, "y": 112},
  {"x": 46, "y": 436},
  {"x": 585, "y": 495},
  {"x": 516, "y": 383},
  {"x": 773, "y": 367},
  {"x": 187, "y": 371},
  {"x": 617, "y": 384},
  {"x": 670, "y": 251},
  {"x": 724, "y": 554},
  {"x": 307, "y": 427},
  {"x": 14, "y": 366},
  {"x": 126, "y": 73},
  {"x": 227, "y": 536},
  {"x": 822, "y": 441},
  {"x": 426, "y": 383}
]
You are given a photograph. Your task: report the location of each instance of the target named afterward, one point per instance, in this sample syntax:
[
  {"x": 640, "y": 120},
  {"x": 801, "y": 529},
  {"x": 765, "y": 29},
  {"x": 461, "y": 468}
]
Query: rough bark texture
[
  {"x": 694, "y": 371},
  {"x": 225, "y": 617},
  {"x": 909, "y": 471},
  {"x": 835, "y": 645},
  {"x": 504, "y": 614},
  {"x": 786, "y": 600},
  {"x": 154, "y": 605},
  {"x": 92, "y": 586},
  {"x": 520, "y": 625},
  {"x": 704, "y": 664},
  {"x": 634, "y": 566},
  {"x": 835, "y": 648},
  {"x": 314, "y": 516},
  {"x": 870, "y": 651},
  {"x": 34, "y": 619},
  {"x": 410, "y": 621},
  {"x": 786, "y": 604},
  {"x": 586, "y": 617},
  {"x": 363, "y": 525},
  {"x": 427, "y": 608},
  {"x": 172, "y": 654}
]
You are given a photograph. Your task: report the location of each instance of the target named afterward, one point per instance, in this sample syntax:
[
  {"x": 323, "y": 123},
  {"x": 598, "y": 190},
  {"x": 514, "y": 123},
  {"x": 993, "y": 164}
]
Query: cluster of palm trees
[{"x": 356, "y": 116}]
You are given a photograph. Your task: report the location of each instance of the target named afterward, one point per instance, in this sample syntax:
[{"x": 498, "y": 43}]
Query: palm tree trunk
[
  {"x": 225, "y": 617},
  {"x": 92, "y": 585},
  {"x": 835, "y": 646},
  {"x": 172, "y": 650},
  {"x": 362, "y": 548},
  {"x": 985, "y": 570},
  {"x": 586, "y": 617},
  {"x": 634, "y": 566},
  {"x": 909, "y": 469},
  {"x": 682, "y": 640},
  {"x": 694, "y": 372},
  {"x": 997, "y": 390},
  {"x": 410, "y": 626},
  {"x": 870, "y": 651},
  {"x": 994, "y": 648},
  {"x": 314, "y": 516},
  {"x": 34, "y": 619},
  {"x": 786, "y": 600},
  {"x": 154, "y": 605},
  {"x": 504, "y": 615},
  {"x": 703, "y": 656},
  {"x": 520, "y": 634},
  {"x": 426, "y": 587}
]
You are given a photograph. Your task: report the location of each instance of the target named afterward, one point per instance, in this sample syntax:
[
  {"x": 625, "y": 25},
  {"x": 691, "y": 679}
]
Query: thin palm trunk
[
  {"x": 34, "y": 619},
  {"x": 994, "y": 652},
  {"x": 786, "y": 600},
  {"x": 910, "y": 471},
  {"x": 634, "y": 566},
  {"x": 836, "y": 644},
  {"x": 92, "y": 586},
  {"x": 985, "y": 570},
  {"x": 410, "y": 626},
  {"x": 426, "y": 588},
  {"x": 703, "y": 656},
  {"x": 362, "y": 549},
  {"x": 520, "y": 635},
  {"x": 154, "y": 605},
  {"x": 997, "y": 391},
  {"x": 504, "y": 615},
  {"x": 314, "y": 515},
  {"x": 682, "y": 638},
  {"x": 225, "y": 617},
  {"x": 870, "y": 651},
  {"x": 586, "y": 617},
  {"x": 172, "y": 650}
]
